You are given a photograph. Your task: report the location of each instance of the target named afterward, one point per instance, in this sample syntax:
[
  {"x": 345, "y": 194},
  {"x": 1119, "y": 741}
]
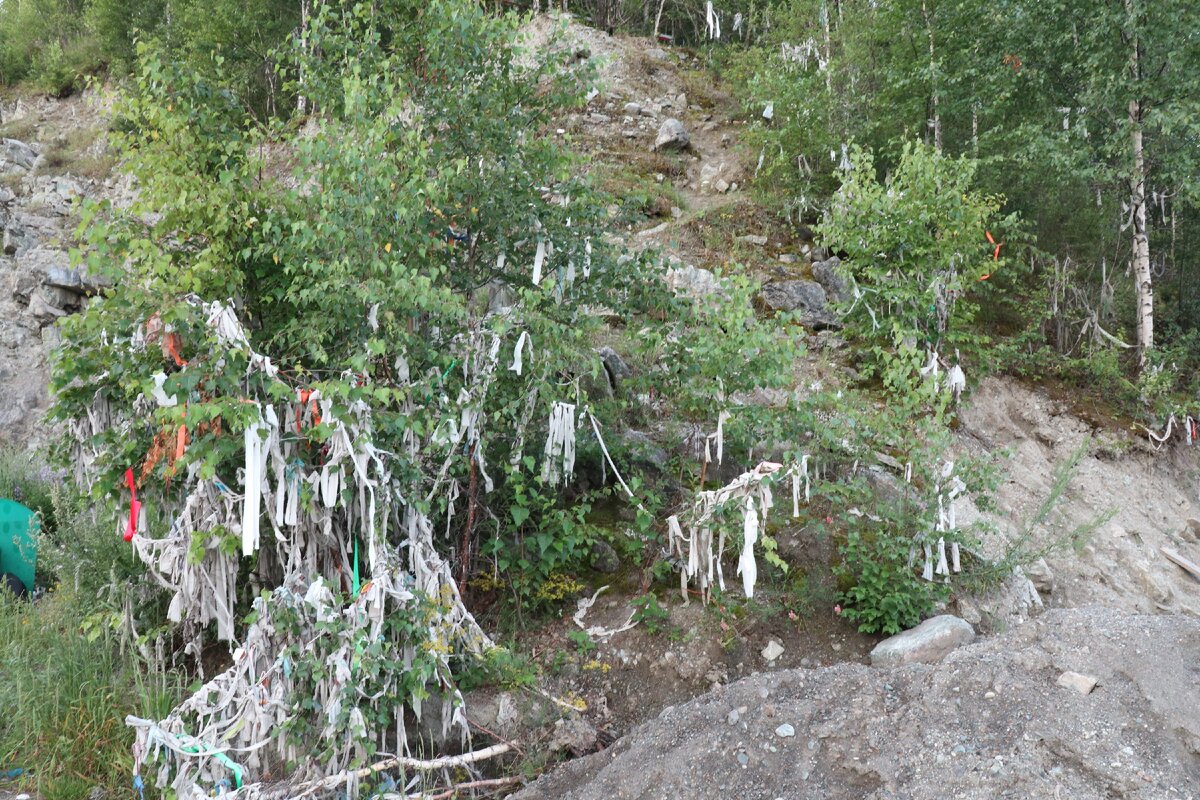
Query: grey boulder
[
  {"x": 806, "y": 297},
  {"x": 671, "y": 135},
  {"x": 829, "y": 274},
  {"x": 927, "y": 643}
]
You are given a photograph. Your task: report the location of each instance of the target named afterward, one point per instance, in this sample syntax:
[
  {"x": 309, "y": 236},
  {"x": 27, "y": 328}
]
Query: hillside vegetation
[{"x": 422, "y": 322}]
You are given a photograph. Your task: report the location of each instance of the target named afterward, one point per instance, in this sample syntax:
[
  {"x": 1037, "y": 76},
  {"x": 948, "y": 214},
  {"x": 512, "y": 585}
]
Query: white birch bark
[
  {"x": 1144, "y": 284},
  {"x": 933, "y": 80}
]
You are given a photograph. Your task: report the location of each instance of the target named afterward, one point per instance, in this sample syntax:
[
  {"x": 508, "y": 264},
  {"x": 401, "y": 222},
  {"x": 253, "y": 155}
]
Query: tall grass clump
[{"x": 65, "y": 688}]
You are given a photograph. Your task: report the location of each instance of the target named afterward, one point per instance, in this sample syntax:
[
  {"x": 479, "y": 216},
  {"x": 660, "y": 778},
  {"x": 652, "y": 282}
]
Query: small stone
[
  {"x": 772, "y": 651},
  {"x": 988, "y": 695},
  {"x": 785, "y": 731},
  {"x": 732, "y": 717},
  {"x": 787, "y": 258},
  {"x": 1041, "y": 575},
  {"x": 758, "y": 241},
  {"x": 1078, "y": 682},
  {"x": 743, "y": 758},
  {"x": 632, "y": 109}
]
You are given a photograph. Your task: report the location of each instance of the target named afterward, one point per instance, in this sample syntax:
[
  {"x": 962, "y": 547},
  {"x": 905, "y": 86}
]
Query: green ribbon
[{"x": 233, "y": 766}]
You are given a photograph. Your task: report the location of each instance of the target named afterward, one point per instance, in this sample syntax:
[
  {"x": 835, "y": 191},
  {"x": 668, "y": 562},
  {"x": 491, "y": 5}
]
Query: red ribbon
[
  {"x": 135, "y": 507},
  {"x": 996, "y": 254}
]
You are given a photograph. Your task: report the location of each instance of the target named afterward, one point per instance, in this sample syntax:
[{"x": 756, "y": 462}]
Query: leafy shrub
[
  {"x": 650, "y": 613},
  {"x": 916, "y": 249},
  {"x": 886, "y": 594}
]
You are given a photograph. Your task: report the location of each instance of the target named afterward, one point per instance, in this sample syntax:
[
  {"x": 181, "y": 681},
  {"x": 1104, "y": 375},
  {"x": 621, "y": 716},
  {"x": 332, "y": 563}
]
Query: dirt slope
[
  {"x": 990, "y": 721},
  {"x": 1152, "y": 492}
]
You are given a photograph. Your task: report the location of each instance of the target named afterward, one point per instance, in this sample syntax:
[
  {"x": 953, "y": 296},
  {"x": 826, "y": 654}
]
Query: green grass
[{"x": 64, "y": 694}]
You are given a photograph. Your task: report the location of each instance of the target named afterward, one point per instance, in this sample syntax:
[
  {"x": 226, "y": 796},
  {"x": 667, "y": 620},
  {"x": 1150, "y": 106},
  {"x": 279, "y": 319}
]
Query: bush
[
  {"x": 46, "y": 42},
  {"x": 916, "y": 247}
]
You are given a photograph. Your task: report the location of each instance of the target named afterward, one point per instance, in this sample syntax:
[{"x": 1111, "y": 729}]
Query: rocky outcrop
[
  {"x": 38, "y": 285},
  {"x": 1151, "y": 494},
  {"x": 990, "y": 720},
  {"x": 16, "y": 157}
]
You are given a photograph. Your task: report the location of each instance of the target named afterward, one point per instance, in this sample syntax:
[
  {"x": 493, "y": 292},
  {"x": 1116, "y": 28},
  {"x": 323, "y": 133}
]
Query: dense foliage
[
  {"x": 1076, "y": 114},
  {"x": 355, "y": 213}
]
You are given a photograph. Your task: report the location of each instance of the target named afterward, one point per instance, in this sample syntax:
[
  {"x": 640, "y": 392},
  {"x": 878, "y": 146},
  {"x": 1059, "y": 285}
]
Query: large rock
[
  {"x": 16, "y": 157},
  {"x": 828, "y": 273},
  {"x": 671, "y": 135},
  {"x": 605, "y": 558},
  {"x": 806, "y": 297},
  {"x": 988, "y": 722},
  {"x": 615, "y": 367},
  {"x": 927, "y": 643},
  {"x": 692, "y": 281},
  {"x": 73, "y": 280},
  {"x": 42, "y": 311}
]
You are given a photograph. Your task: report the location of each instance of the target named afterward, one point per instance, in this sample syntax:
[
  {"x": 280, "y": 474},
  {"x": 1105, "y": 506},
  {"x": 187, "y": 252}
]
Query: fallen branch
[
  {"x": 1187, "y": 564},
  {"x": 453, "y": 791},
  {"x": 418, "y": 764}
]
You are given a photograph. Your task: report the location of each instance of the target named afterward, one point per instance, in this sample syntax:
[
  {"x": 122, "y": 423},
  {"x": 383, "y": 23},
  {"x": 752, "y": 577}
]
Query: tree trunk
[
  {"x": 1137, "y": 201},
  {"x": 933, "y": 81},
  {"x": 301, "y": 98},
  {"x": 828, "y": 49},
  {"x": 658, "y": 17},
  {"x": 1141, "y": 242}
]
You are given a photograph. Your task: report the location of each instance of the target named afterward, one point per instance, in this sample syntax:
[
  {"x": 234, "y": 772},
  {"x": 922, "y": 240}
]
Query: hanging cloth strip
[{"x": 135, "y": 506}]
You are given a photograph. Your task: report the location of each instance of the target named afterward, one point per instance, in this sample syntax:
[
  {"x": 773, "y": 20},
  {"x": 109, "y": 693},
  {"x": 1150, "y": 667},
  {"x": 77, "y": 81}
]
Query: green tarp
[{"x": 18, "y": 548}]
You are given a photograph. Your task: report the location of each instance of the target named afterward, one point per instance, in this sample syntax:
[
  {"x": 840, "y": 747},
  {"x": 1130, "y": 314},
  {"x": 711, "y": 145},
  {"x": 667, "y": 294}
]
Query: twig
[
  {"x": 557, "y": 701},
  {"x": 458, "y": 787},
  {"x": 603, "y": 449},
  {"x": 494, "y": 735}
]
